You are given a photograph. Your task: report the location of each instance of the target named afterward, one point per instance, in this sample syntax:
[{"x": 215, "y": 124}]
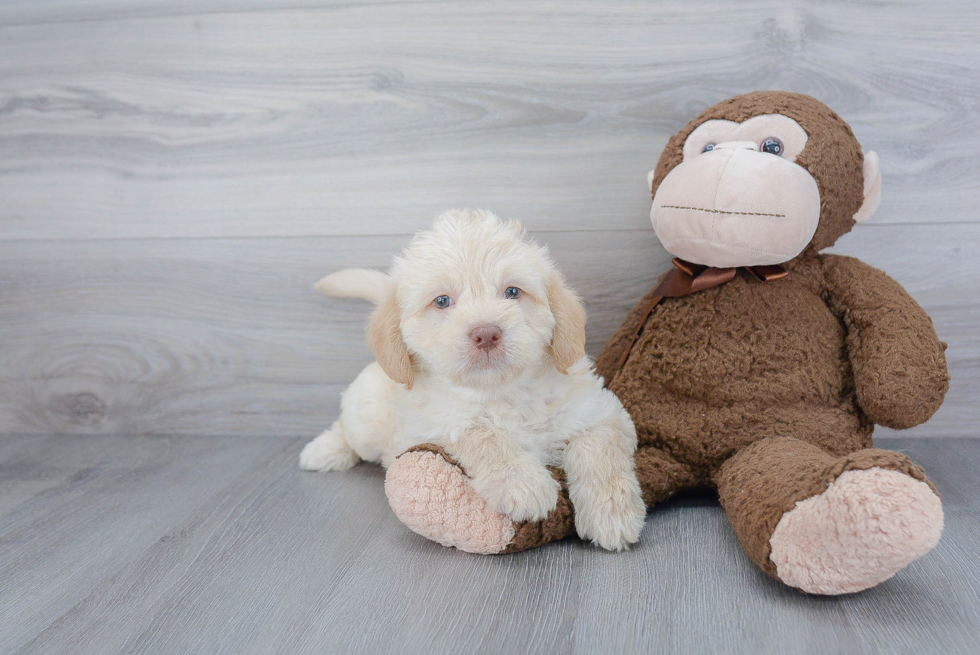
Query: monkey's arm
[
  {"x": 899, "y": 363},
  {"x": 607, "y": 362}
]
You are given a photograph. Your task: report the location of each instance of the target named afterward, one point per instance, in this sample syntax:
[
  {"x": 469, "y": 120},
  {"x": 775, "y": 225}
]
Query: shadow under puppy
[{"x": 480, "y": 350}]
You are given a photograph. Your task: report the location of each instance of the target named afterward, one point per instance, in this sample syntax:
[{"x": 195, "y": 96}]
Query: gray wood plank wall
[{"x": 174, "y": 176}]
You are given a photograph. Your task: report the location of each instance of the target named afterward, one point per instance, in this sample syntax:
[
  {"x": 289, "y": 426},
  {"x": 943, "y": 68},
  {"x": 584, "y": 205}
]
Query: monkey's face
[{"x": 738, "y": 198}]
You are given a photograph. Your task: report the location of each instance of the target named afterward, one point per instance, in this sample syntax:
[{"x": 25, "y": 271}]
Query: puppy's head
[{"x": 476, "y": 302}]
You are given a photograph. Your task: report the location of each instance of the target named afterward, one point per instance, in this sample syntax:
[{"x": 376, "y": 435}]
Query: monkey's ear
[
  {"x": 650, "y": 181},
  {"x": 872, "y": 187},
  {"x": 568, "y": 338},
  {"x": 384, "y": 335}
]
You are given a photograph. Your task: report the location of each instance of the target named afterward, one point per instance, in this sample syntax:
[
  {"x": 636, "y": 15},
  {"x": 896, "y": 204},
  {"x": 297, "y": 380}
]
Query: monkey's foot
[
  {"x": 864, "y": 528},
  {"x": 433, "y": 497}
]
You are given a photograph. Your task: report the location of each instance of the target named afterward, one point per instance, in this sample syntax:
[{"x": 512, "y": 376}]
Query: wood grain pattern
[
  {"x": 228, "y": 337},
  {"x": 217, "y": 119},
  {"x": 116, "y": 496},
  {"x": 222, "y": 545},
  {"x": 173, "y": 175}
]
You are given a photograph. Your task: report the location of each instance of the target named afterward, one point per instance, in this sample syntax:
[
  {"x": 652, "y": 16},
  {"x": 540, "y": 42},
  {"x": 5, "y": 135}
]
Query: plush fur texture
[
  {"x": 480, "y": 350},
  {"x": 431, "y": 494},
  {"x": 864, "y": 528},
  {"x": 769, "y": 391},
  {"x": 763, "y": 482}
]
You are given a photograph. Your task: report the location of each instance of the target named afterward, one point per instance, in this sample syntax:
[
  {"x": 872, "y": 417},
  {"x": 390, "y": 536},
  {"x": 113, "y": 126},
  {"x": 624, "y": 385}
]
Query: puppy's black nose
[{"x": 485, "y": 337}]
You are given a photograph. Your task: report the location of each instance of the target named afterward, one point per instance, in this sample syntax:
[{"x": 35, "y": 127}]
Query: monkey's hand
[{"x": 898, "y": 361}]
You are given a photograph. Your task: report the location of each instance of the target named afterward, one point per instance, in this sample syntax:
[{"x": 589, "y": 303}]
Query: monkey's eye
[
  {"x": 442, "y": 302},
  {"x": 772, "y": 145},
  {"x": 512, "y": 293},
  {"x": 708, "y": 148}
]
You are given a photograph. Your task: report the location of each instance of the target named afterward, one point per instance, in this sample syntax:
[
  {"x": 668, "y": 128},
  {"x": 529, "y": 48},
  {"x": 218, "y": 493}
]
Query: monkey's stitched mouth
[{"x": 722, "y": 211}]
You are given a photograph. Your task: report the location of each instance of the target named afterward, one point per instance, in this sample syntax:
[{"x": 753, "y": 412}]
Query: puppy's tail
[{"x": 356, "y": 283}]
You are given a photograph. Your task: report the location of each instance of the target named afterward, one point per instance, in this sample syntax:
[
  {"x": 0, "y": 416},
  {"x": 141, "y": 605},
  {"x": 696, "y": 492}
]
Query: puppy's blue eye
[
  {"x": 442, "y": 302},
  {"x": 772, "y": 145},
  {"x": 708, "y": 148},
  {"x": 512, "y": 293}
]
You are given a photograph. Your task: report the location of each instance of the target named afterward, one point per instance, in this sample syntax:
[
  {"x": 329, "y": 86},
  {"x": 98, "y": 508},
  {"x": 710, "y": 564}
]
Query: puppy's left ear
[
  {"x": 385, "y": 338},
  {"x": 568, "y": 339}
]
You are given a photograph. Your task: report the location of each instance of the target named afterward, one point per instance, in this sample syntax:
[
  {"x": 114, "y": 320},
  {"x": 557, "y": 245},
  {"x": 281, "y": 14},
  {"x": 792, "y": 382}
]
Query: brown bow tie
[{"x": 687, "y": 278}]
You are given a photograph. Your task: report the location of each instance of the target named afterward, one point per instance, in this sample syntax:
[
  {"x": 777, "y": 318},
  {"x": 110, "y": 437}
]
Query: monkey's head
[{"x": 759, "y": 179}]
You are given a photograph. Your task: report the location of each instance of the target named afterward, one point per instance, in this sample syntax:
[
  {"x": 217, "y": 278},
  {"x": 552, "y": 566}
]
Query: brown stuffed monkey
[{"x": 757, "y": 367}]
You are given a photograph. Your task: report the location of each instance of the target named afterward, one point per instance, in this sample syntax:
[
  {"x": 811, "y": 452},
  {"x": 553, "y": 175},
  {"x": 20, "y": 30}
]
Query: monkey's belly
[
  {"x": 715, "y": 371},
  {"x": 704, "y": 436}
]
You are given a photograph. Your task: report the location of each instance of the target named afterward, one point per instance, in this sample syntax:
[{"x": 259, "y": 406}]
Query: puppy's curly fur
[{"x": 480, "y": 349}]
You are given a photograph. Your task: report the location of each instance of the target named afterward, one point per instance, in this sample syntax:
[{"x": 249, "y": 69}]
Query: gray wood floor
[{"x": 220, "y": 545}]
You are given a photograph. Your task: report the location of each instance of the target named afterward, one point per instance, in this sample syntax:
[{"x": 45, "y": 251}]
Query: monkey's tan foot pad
[
  {"x": 433, "y": 497},
  {"x": 868, "y": 525}
]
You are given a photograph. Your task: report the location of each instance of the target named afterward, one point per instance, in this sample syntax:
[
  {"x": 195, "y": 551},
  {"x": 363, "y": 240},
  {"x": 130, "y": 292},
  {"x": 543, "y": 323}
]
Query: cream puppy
[{"x": 480, "y": 349}]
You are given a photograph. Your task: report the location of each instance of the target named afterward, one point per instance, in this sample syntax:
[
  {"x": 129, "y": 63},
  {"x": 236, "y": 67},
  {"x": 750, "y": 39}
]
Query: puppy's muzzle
[{"x": 485, "y": 337}]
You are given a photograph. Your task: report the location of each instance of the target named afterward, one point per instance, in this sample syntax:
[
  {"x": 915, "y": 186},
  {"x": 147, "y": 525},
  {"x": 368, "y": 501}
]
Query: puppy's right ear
[
  {"x": 568, "y": 339},
  {"x": 384, "y": 335}
]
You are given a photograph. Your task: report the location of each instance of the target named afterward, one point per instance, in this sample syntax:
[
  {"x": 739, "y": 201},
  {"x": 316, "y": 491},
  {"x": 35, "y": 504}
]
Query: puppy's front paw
[
  {"x": 611, "y": 513},
  {"x": 526, "y": 494}
]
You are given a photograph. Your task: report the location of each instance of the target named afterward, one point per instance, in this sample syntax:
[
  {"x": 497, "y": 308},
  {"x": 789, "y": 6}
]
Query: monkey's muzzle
[{"x": 733, "y": 206}]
